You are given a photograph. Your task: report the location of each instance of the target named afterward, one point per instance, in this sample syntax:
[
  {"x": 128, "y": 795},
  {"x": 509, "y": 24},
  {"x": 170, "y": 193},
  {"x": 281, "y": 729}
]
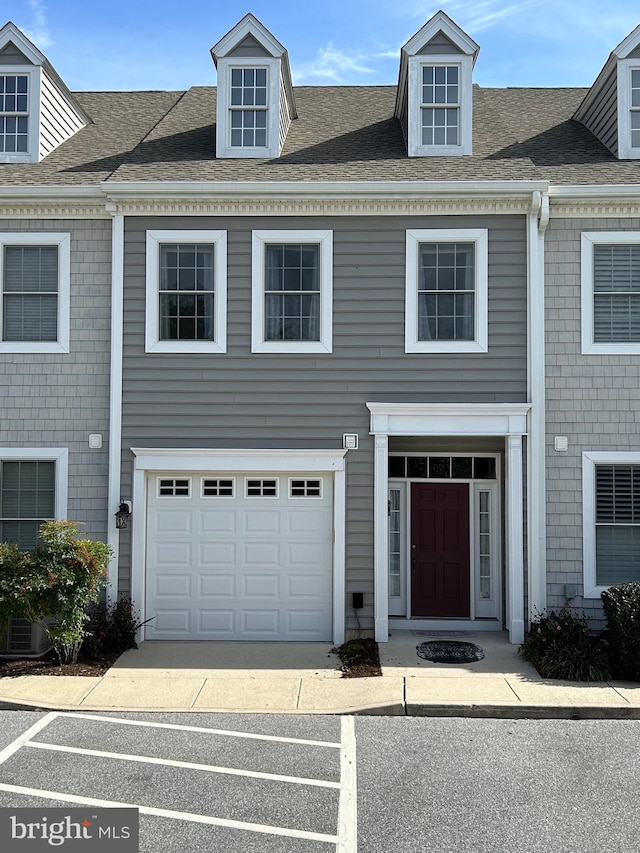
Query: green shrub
[
  {"x": 57, "y": 581},
  {"x": 111, "y": 629},
  {"x": 622, "y": 609},
  {"x": 559, "y": 645}
]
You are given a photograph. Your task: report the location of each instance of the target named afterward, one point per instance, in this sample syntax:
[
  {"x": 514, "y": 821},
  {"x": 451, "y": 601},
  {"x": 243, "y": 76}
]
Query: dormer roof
[
  {"x": 439, "y": 36},
  {"x": 605, "y": 107},
  {"x": 52, "y": 114}
]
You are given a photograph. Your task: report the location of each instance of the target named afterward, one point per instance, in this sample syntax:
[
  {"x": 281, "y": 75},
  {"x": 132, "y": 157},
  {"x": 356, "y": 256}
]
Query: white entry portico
[{"x": 444, "y": 420}]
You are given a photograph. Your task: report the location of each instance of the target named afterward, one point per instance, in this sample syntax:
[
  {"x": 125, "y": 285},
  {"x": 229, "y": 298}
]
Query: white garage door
[{"x": 239, "y": 557}]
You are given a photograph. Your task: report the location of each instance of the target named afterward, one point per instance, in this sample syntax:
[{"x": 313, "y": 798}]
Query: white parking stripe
[
  {"x": 15, "y": 745},
  {"x": 175, "y": 727},
  {"x": 187, "y": 765},
  {"x": 193, "y": 818},
  {"x": 348, "y": 814}
]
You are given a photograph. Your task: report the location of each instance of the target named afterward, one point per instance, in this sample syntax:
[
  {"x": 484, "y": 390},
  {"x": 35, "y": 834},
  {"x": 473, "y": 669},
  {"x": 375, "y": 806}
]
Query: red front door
[{"x": 440, "y": 585}]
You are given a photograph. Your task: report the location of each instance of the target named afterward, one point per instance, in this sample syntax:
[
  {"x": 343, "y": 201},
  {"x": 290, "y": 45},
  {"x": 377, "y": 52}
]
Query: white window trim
[
  {"x": 588, "y": 240},
  {"x": 415, "y": 146},
  {"x": 59, "y": 455},
  {"x": 260, "y": 239},
  {"x": 223, "y": 108},
  {"x": 32, "y": 155},
  {"x": 152, "y": 312},
  {"x": 63, "y": 242},
  {"x": 625, "y": 151},
  {"x": 480, "y": 238},
  {"x": 589, "y": 462}
]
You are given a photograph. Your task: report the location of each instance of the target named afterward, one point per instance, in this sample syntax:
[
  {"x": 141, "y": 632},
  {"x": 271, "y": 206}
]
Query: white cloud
[
  {"x": 39, "y": 32},
  {"x": 332, "y": 65},
  {"x": 474, "y": 17}
]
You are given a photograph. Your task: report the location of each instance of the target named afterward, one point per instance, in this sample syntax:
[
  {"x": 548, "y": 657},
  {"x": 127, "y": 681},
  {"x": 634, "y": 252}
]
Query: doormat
[
  {"x": 450, "y": 651},
  {"x": 443, "y": 633}
]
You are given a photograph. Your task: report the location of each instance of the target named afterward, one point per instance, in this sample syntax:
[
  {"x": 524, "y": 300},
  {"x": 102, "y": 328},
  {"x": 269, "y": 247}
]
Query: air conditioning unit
[{"x": 23, "y": 637}]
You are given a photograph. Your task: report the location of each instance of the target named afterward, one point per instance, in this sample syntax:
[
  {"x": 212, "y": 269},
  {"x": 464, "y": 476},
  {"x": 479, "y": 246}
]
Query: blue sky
[{"x": 157, "y": 44}]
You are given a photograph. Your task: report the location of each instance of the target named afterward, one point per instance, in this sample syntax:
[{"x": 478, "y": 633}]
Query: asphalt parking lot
[{"x": 270, "y": 786}]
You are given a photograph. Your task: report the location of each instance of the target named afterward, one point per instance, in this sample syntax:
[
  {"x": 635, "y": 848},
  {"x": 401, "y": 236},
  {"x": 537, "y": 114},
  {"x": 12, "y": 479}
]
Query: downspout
[
  {"x": 115, "y": 394},
  {"x": 538, "y": 219}
]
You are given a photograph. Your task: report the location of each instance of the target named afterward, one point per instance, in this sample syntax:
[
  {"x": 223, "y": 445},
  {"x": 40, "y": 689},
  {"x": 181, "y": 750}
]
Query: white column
[
  {"x": 381, "y": 537},
  {"x": 514, "y": 540}
]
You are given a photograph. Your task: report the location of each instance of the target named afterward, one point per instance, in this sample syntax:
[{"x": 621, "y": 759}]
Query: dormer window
[
  {"x": 434, "y": 100},
  {"x": 440, "y": 105},
  {"x": 37, "y": 111},
  {"x": 14, "y": 113},
  {"x": 249, "y": 108},
  {"x": 635, "y": 108},
  {"x": 255, "y": 104}
]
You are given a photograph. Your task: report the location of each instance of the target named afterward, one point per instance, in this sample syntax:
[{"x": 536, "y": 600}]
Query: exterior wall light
[{"x": 123, "y": 515}]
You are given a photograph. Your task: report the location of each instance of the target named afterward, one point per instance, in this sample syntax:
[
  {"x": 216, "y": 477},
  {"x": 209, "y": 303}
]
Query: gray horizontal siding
[
  {"x": 308, "y": 401},
  {"x": 58, "y": 399},
  {"x": 601, "y": 117}
]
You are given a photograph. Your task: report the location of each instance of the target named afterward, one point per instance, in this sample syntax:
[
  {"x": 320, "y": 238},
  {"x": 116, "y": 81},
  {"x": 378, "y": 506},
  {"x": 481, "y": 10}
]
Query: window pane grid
[
  {"x": 292, "y": 292},
  {"x": 248, "y": 89},
  {"x": 395, "y": 555},
  {"x": 635, "y": 108},
  {"x": 446, "y": 292},
  {"x": 14, "y": 108},
  {"x": 186, "y": 292}
]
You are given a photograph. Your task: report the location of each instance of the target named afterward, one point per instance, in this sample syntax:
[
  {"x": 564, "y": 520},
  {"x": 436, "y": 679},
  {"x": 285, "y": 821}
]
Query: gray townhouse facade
[{"x": 350, "y": 356}]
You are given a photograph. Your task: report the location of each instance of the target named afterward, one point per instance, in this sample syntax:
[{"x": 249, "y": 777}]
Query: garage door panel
[
  {"x": 175, "y": 520},
  {"x": 172, "y": 586},
  {"x": 240, "y": 568},
  {"x": 261, "y": 586},
  {"x": 261, "y": 623},
  {"x": 174, "y": 621},
  {"x": 223, "y": 554},
  {"x": 214, "y": 519},
  {"x": 220, "y": 586},
  {"x": 261, "y": 521},
  {"x": 221, "y": 624}
]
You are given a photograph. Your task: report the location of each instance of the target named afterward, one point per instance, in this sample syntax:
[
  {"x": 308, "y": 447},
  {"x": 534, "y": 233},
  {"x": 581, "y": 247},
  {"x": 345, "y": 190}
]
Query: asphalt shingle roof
[{"x": 342, "y": 133}]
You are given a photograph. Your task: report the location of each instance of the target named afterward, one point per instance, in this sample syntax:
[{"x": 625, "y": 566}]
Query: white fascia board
[
  {"x": 10, "y": 33},
  {"x": 628, "y": 44},
  {"x": 119, "y": 190},
  {"x": 441, "y": 22},
  {"x": 249, "y": 25},
  {"x": 449, "y": 418},
  {"x": 595, "y": 191},
  {"x": 224, "y": 459},
  {"x": 58, "y": 193}
]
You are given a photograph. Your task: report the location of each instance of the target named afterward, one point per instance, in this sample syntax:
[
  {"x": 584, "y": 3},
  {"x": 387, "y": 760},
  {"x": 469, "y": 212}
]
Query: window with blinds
[
  {"x": 616, "y": 293},
  {"x": 27, "y": 498},
  {"x": 30, "y": 278},
  {"x": 617, "y": 524}
]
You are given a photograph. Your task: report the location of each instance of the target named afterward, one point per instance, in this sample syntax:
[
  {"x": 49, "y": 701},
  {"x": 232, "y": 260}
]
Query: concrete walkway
[{"x": 305, "y": 678}]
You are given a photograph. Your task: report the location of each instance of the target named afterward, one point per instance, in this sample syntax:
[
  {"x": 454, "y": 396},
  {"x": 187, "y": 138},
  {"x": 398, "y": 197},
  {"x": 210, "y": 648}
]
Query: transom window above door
[
  {"x": 186, "y": 291},
  {"x": 447, "y": 291},
  {"x": 442, "y": 467},
  {"x": 292, "y": 291}
]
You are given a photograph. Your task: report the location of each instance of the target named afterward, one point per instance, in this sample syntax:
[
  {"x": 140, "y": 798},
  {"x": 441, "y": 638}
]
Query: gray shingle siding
[
  {"x": 592, "y": 399},
  {"x": 57, "y": 400}
]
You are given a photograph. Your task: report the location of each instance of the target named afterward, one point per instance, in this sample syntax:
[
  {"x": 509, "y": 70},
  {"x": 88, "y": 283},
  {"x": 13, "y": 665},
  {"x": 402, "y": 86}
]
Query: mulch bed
[
  {"x": 360, "y": 658},
  {"x": 48, "y": 665}
]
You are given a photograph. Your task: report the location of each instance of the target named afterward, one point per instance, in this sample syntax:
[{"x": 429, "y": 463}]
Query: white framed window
[
  {"x": 248, "y": 113},
  {"x": 35, "y": 283},
  {"x": 610, "y": 292},
  {"x": 174, "y": 487},
  {"x": 260, "y": 488},
  {"x": 19, "y": 114},
  {"x": 628, "y": 109},
  {"x": 216, "y": 487},
  {"x": 446, "y": 290},
  {"x": 292, "y": 291},
  {"x": 186, "y": 292},
  {"x": 440, "y": 106},
  {"x": 611, "y": 519},
  {"x": 305, "y": 488},
  {"x": 33, "y": 489}
]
